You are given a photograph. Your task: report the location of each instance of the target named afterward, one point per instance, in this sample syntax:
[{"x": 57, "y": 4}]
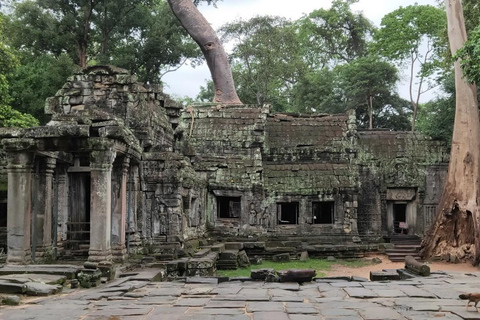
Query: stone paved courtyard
[{"x": 433, "y": 297}]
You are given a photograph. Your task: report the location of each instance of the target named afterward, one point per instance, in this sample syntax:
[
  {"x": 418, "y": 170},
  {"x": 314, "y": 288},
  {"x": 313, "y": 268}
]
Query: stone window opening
[
  {"x": 229, "y": 207},
  {"x": 287, "y": 212},
  {"x": 323, "y": 212}
]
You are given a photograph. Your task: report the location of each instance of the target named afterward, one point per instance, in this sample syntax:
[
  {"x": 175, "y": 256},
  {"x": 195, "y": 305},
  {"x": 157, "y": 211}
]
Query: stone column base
[
  {"x": 99, "y": 255},
  {"x": 19, "y": 256},
  {"x": 119, "y": 253},
  {"x": 43, "y": 253}
]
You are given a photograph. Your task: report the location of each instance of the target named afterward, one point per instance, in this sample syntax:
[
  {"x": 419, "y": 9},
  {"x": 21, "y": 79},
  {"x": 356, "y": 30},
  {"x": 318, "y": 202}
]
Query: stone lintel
[{"x": 18, "y": 144}]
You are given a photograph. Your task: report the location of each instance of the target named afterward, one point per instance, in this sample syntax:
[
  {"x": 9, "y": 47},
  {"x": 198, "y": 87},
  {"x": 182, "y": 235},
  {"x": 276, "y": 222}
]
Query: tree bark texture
[
  {"x": 200, "y": 30},
  {"x": 455, "y": 230}
]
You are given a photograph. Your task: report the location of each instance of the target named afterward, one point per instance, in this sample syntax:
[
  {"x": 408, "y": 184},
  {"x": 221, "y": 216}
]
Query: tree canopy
[{"x": 412, "y": 36}]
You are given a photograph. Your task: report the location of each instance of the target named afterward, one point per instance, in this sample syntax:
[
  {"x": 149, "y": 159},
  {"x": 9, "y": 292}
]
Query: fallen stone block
[
  {"x": 243, "y": 261},
  {"x": 69, "y": 271},
  {"x": 416, "y": 267},
  {"x": 41, "y": 289},
  {"x": 384, "y": 275},
  {"x": 261, "y": 274},
  {"x": 296, "y": 275},
  {"x": 281, "y": 257},
  {"x": 10, "y": 287},
  {"x": 304, "y": 256},
  {"x": 11, "y": 300},
  {"x": 229, "y": 255}
]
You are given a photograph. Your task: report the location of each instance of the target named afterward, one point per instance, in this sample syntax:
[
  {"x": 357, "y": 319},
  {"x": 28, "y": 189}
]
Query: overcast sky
[{"x": 187, "y": 81}]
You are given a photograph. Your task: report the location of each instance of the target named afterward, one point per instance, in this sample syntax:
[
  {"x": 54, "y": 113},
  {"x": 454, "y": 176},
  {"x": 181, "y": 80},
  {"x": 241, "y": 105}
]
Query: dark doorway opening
[
  {"x": 323, "y": 212},
  {"x": 400, "y": 218},
  {"x": 229, "y": 207},
  {"x": 287, "y": 213},
  {"x": 3, "y": 227},
  {"x": 78, "y": 225}
]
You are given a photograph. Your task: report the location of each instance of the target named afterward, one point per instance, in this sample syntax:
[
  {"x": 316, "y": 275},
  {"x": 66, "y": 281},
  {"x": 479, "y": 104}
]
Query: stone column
[
  {"x": 43, "y": 223},
  {"x": 19, "y": 207},
  {"x": 101, "y": 160},
  {"x": 62, "y": 202},
  {"x": 119, "y": 214}
]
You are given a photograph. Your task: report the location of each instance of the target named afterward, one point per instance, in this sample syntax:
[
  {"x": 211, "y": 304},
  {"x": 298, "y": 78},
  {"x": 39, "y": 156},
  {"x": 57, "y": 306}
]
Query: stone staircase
[{"x": 404, "y": 245}]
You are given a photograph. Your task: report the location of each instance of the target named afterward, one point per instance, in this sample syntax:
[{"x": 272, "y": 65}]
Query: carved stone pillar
[
  {"x": 101, "y": 160},
  {"x": 62, "y": 202},
  {"x": 43, "y": 222},
  {"x": 119, "y": 213},
  {"x": 19, "y": 207}
]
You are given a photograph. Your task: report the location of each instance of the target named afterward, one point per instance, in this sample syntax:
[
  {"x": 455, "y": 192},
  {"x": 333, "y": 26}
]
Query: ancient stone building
[{"x": 120, "y": 166}]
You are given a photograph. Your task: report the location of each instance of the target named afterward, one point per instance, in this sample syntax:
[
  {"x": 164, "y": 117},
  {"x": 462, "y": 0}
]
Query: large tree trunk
[
  {"x": 200, "y": 30},
  {"x": 456, "y": 227}
]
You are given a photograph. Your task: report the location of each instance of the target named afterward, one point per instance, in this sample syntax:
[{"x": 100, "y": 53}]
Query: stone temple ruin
[{"x": 122, "y": 168}]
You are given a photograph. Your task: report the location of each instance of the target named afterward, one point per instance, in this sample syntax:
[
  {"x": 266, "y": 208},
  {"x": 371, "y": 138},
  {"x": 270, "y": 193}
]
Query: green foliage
[
  {"x": 414, "y": 36},
  {"x": 158, "y": 45},
  {"x": 471, "y": 12},
  {"x": 36, "y": 79},
  {"x": 141, "y": 36},
  {"x": 334, "y": 35},
  {"x": 206, "y": 93},
  {"x": 266, "y": 60},
  {"x": 469, "y": 56},
  {"x": 317, "y": 91},
  {"x": 436, "y": 117},
  {"x": 404, "y": 30},
  {"x": 10, "y": 117},
  {"x": 369, "y": 80},
  {"x": 8, "y": 63}
]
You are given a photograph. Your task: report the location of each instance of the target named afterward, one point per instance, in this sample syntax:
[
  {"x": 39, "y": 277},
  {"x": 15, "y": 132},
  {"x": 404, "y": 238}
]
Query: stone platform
[{"x": 433, "y": 297}]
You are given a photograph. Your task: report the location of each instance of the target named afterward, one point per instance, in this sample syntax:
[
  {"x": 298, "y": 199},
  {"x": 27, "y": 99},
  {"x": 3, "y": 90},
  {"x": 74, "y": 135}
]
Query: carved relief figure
[{"x": 252, "y": 215}]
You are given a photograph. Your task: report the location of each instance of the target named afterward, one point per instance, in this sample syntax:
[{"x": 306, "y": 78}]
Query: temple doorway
[{"x": 78, "y": 225}]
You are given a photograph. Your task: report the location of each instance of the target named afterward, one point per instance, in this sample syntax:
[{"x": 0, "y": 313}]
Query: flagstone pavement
[{"x": 433, "y": 297}]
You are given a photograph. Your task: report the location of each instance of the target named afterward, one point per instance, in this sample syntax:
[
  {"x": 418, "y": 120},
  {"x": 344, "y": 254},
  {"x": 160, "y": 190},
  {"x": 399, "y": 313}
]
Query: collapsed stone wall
[
  {"x": 392, "y": 163},
  {"x": 224, "y": 144},
  {"x": 308, "y": 158}
]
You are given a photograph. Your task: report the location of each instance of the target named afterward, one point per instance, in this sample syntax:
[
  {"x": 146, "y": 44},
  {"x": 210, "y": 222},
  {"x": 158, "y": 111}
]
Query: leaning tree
[
  {"x": 456, "y": 229},
  {"x": 200, "y": 30}
]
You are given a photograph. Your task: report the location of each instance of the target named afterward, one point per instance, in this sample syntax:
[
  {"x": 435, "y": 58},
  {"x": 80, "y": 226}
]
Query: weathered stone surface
[
  {"x": 43, "y": 278},
  {"x": 304, "y": 256},
  {"x": 261, "y": 274},
  {"x": 11, "y": 287},
  {"x": 384, "y": 275},
  {"x": 360, "y": 293},
  {"x": 380, "y": 313},
  {"x": 68, "y": 271},
  {"x": 243, "y": 261},
  {"x": 417, "y": 267},
  {"x": 41, "y": 289},
  {"x": 281, "y": 257},
  {"x": 11, "y": 300}
]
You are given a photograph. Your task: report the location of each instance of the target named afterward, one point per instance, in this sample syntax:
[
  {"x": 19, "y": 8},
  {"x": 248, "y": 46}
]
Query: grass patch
[{"x": 320, "y": 265}]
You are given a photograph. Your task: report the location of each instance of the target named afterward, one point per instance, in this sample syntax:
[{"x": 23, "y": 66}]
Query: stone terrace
[{"x": 135, "y": 297}]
